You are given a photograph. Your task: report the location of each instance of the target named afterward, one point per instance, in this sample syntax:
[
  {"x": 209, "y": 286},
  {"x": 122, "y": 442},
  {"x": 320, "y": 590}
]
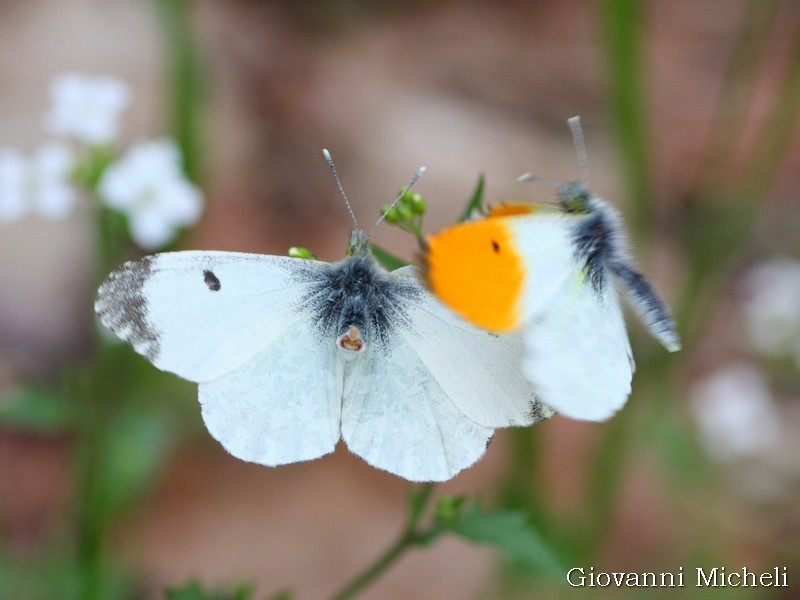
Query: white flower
[
  {"x": 40, "y": 185},
  {"x": 772, "y": 307},
  {"x": 149, "y": 186},
  {"x": 86, "y": 108},
  {"x": 736, "y": 412}
]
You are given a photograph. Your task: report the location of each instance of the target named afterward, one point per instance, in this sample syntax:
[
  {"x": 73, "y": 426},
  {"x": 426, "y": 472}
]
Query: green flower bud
[
  {"x": 300, "y": 252},
  {"x": 391, "y": 214},
  {"x": 417, "y": 203},
  {"x": 404, "y": 213}
]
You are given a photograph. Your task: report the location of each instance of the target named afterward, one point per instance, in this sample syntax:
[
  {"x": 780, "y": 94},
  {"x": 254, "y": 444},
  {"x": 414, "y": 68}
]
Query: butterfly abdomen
[{"x": 653, "y": 312}]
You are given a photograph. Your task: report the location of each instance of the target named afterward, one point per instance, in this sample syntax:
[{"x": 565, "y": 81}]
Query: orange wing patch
[
  {"x": 474, "y": 268},
  {"x": 511, "y": 209}
]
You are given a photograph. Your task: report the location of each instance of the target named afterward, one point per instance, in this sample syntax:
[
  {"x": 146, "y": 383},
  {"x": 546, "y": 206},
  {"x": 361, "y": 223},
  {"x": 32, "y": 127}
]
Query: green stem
[
  {"x": 92, "y": 513},
  {"x": 411, "y": 536},
  {"x": 623, "y": 23},
  {"x": 523, "y": 484},
  {"x": 739, "y": 86},
  {"x": 186, "y": 82},
  {"x": 720, "y": 235},
  {"x": 91, "y": 520},
  {"x": 776, "y": 135}
]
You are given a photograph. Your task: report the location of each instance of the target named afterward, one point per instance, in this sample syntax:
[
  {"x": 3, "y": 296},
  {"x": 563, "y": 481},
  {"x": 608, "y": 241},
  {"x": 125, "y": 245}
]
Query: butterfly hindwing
[
  {"x": 578, "y": 356},
  {"x": 281, "y": 406},
  {"x": 397, "y": 417}
]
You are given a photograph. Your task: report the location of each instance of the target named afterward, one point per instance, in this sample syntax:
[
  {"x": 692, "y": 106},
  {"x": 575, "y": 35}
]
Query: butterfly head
[
  {"x": 359, "y": 243},
  {"x": 574, "y": 198}
]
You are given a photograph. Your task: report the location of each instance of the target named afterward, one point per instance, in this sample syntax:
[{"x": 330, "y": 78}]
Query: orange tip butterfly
[{"x": 554, "y": 272}]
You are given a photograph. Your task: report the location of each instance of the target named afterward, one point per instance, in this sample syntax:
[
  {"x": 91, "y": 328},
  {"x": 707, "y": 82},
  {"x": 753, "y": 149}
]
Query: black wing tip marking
[
  {"x": 539, "y": 412},
  {"x": 122, "y": 306}
]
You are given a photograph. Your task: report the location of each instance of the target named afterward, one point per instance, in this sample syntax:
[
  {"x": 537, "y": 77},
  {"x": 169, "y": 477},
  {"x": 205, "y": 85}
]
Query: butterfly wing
[
  {"x": 478, "y": 370},
  {"x": 397, "y": 417},
  {"x": 281, "y": 406},
  {"x": 497, "y": 272},
  {"x": 202, "y": 314},
  {"x": 578, "y": 356},
  {"x": 270, "y": 390}
]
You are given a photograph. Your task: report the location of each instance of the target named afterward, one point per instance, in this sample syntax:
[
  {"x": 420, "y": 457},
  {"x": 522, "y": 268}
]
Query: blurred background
[{"x": 690, "y": 115}]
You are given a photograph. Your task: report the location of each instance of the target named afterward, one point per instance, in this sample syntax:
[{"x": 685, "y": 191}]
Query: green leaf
[
  {"x": 389, "y": 261},
  {"x": 510, "y": 532},
  {"x": 37, "y": 410},
  {"x": 195, "y": 591},
  {"x": 475, "y": 202},
  {"x": 137, "y": 447}
]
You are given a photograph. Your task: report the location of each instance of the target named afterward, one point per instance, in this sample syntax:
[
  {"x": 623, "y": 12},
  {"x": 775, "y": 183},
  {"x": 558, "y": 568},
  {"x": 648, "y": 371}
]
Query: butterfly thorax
[
  {"x": 599, "y": 240},
  {"x": 357, "y": 303}
]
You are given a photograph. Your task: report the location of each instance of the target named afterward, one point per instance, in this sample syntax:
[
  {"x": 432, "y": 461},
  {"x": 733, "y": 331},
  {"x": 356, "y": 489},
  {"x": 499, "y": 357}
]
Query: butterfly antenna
[
  {"x": 402, "y": 193},
  {"x": 541, "y": 180},
  {"x": 580, "y": 148},
  {"x": 332, "y": 167}
]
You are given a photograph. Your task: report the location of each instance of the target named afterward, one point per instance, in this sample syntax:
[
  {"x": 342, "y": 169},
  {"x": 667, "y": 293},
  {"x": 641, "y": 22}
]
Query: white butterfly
[
  {"x": 555, "y": 274},
  {"x": 291, "y": 354}
]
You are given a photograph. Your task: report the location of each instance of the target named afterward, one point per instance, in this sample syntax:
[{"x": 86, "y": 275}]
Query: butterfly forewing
[{"x": 202, "y": 314}]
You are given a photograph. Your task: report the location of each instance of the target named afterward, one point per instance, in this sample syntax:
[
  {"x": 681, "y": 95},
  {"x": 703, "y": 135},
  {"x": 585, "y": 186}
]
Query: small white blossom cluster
[
  {"x": 736, "y": 413},
  {"x": 38, "y": 185},
  {"x": 735, "y": 409},
  {"x": 87, "y": 108},
  {"x": 147, "y": 184},
  {"x": 772, "y": 308}
]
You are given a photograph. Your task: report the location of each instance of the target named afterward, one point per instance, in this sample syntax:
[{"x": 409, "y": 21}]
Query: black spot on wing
[
  {"x": 495, "y": 246},
  {"x": 122, "y": 306},
  {"x": 212, "y": 281}
]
